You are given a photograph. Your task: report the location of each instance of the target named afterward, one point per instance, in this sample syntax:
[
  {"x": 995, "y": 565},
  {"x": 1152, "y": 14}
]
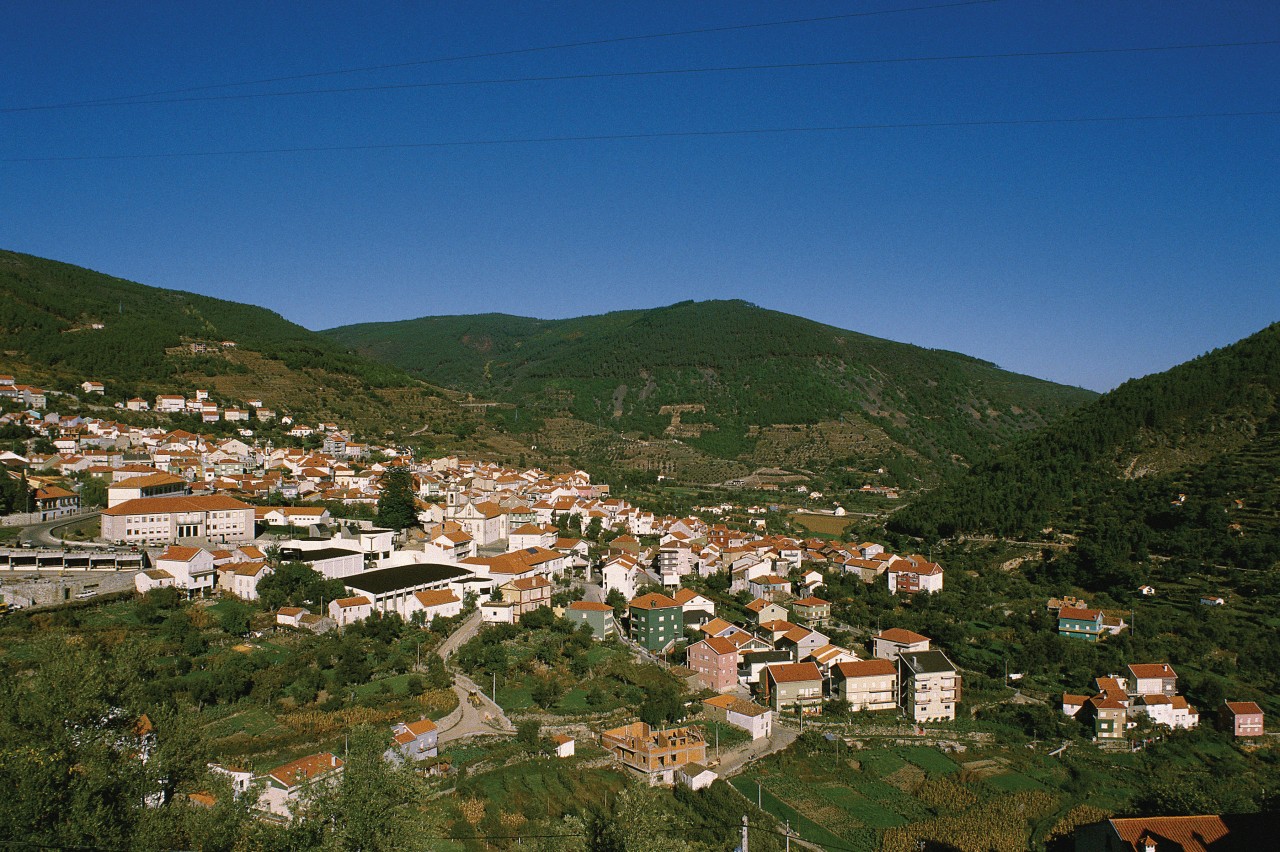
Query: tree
[
  {"x": 297, "y": 584},
  {"x": 93, "y": 492},
  {"x": 661, "y": 704},
  {"x": 234, "y": 618},
  {"x": 396, "y": 508},
  {"x": 602, "y": 833},
  {"x": 370, "y": 795},
  {"x": 529, "y": 734}
]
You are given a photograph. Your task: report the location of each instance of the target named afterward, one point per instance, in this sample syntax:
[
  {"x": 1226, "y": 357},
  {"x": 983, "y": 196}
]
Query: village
[{"x": 732, "y": 613}]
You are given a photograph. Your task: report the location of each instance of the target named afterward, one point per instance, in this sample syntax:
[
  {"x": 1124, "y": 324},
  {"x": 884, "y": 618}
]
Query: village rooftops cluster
[{"x": 1149, "y": 689}]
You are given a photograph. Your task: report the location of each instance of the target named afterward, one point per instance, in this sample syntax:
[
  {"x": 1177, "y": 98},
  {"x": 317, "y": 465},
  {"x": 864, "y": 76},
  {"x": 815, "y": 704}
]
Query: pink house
[
  {"x": 1246, "y": 718},
  {"x": 715, "y": 659}
]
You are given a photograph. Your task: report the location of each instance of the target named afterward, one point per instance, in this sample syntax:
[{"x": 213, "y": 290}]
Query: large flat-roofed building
[
  {"x": 390, "y": 589},
  {"x": 332, "y": 562},
  {"x": 167, "y": 520}
]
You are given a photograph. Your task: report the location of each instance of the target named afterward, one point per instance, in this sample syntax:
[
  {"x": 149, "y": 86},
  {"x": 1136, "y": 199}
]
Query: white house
[
  {"x": 241, "y": 578},
  {"x": 346, "y": 611},
  {"x": 191, "y": 569},
  {"x": 286, "y": 784},
  {"x": 443, "y": 603}
]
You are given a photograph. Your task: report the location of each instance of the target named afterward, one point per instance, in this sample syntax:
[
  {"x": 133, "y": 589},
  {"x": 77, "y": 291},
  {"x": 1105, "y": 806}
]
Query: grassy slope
[{"x": 751, "y": 368}]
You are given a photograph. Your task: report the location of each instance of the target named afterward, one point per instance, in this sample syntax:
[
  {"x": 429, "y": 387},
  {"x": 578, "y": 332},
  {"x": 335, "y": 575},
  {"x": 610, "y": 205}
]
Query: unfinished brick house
[{"x": 655, "y": 754}]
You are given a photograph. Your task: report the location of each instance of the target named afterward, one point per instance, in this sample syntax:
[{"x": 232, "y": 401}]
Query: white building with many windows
[{"x": 163, "y": 520}]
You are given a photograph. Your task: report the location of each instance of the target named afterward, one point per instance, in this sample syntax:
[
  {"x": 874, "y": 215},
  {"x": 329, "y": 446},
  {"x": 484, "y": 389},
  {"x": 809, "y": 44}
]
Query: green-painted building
[
  {"x": 656, "y": 621},
  {"x": 1079, "y": 623},
  {"x": 598, "y": 615}
]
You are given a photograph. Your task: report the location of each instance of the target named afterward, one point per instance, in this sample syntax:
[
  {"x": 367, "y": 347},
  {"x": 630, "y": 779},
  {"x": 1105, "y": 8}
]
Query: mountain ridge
[{"x": 646, "y": 372}]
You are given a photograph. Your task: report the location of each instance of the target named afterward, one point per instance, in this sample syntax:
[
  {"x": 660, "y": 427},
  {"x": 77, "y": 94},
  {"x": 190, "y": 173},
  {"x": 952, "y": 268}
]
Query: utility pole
[
  {"x": 788, "y": 834},
  {"x": 758, "y": 799},
  {"x": 744, "y": 833}
]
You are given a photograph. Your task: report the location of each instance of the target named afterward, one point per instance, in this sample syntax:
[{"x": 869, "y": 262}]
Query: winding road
[{"x": 469, "y": 719}]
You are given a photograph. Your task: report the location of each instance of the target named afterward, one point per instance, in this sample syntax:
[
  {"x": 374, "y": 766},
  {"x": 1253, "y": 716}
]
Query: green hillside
[
  {"x": 1113, "y": 470},
  {"x": 730, "y": 382},
  {"x": 61, "y": 324}
]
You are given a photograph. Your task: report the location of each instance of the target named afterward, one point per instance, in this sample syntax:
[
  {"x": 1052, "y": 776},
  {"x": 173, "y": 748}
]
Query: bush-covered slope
[
  {"x": 1208, "y": 429},
  {"x": 61, "y": 324},
  {"x": 748, "y": 368},
  {"x": 48, "y": 310}
]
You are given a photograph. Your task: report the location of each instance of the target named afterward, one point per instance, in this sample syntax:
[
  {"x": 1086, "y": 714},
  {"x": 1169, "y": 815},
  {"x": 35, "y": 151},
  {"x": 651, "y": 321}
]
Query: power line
[
  {"x": 518, "y": 51},
  {"x": 606, "y": 75},
  {"x": 675, "y": 134}
]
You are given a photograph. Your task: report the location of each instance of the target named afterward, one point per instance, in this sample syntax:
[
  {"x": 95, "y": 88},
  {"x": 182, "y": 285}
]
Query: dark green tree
[{"x": 396, "y": 508}]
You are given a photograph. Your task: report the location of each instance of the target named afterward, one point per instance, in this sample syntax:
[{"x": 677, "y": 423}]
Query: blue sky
[{"x": 1086, "y": 253}]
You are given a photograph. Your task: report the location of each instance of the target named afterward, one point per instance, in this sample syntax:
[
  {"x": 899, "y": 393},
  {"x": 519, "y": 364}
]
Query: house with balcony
[
  {"x": 715, "y": 659},
  {"x": 655, "y": 622},
  {"x": 812, "y": 610},
  {"x": 929, "y": 686},
  {"x": 912, "y": 574},
  {"x": 866, "y": 684},
  {"x": 526, "y": 594},
  {"x": 793, "y": 686},
  {"x": 891, "y": 643},
  {"x": 1081, "y": 623},
  {"x": 598, "y": 616},
  {"x": 1244, "y": 718},
  {"x": 412, "y": 741},
  {"x": 53, "y": 502}
]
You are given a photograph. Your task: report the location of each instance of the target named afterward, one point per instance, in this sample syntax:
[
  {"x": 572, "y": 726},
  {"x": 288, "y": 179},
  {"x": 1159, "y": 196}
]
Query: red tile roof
[
  {"x": 866, "y": 668},
  {"x": 157, "y": 505},
  {"x": 305, "y": 768},
  {"x": 723, "y": 647},
  {"x": 794, "y": 672},
  {"x": 1191, "y": 833},
  {"x": 902, "y": 637},
  {"x": 590, "y": 606},
  {"x": 653, "y": 600}
]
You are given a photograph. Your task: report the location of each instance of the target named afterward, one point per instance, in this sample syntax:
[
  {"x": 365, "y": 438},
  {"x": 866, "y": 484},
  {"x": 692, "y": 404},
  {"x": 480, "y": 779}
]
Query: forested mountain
[
  {"x": 61, "y": 324},
  {"x": 1185, "y": 463},
  {"x": 730, "y": 381}
]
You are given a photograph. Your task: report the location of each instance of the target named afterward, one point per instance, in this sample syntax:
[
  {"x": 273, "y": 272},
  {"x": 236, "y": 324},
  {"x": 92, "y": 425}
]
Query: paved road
[
  {"x": 733, "y": 760},
  {"x": 469, "y": 719},
  {"x": 41, "y": 535},
  {"x": 592, "y": 592},
  {"x": 467, "y": 629}
]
